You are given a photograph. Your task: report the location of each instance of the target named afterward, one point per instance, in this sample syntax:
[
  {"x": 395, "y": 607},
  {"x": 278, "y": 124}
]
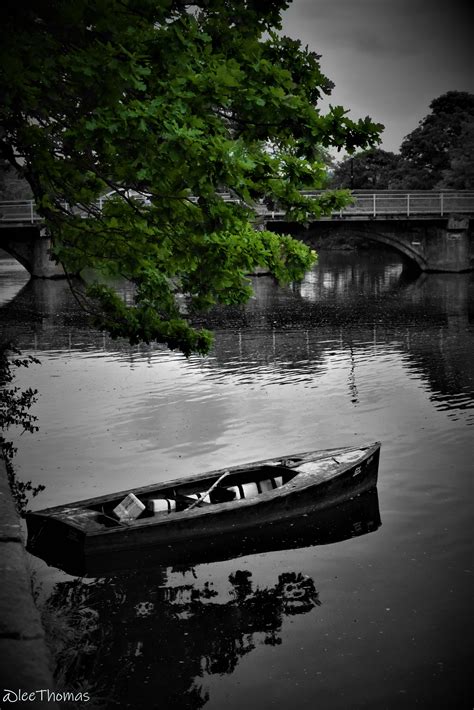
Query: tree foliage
[
  {"x": 369, "y": 170},
  {"x": 439, "y": 151},
  {"x": 459, "y": 175},
  {"x": 167, "y": 105},
  {"x": 15, "y": 405}
]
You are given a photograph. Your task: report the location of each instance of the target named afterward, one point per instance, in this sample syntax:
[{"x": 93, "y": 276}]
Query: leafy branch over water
[
  {"x": 167, "y": 109},
  {"x": 15, "y": 405}
]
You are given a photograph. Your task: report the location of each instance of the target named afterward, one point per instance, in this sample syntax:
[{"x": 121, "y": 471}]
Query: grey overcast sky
[{"x": 388, "y": 58}]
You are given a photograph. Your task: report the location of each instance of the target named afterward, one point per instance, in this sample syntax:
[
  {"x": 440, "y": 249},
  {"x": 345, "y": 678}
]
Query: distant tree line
[{"x": 438, "y": 154}]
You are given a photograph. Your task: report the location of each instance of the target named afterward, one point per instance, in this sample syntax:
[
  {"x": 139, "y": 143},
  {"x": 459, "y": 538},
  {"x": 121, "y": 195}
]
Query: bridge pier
[
  {"x": 450, "y": 252},
  {"x": 436, "y": 246},
  {"x": 31, "y": 246}
]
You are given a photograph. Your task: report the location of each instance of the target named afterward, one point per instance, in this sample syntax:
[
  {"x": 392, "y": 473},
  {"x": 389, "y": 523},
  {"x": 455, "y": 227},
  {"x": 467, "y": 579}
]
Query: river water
[{"x": 374, "y": 612}]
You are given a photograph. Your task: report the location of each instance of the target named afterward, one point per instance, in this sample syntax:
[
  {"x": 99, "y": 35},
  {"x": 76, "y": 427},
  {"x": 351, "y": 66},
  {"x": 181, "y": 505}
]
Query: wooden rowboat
[{"x": 190, "y": 510}]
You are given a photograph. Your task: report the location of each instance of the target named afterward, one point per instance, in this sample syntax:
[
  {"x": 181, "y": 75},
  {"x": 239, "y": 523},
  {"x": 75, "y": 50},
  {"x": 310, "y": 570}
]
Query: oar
[
  {"x": 114, "y": 520},
  {"x": 199, "y": 500}
]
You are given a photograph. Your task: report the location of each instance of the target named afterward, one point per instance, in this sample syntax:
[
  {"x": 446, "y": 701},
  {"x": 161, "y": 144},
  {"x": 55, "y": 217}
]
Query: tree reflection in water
[
  {"x": 150, "y": 633},
  {"x": 149, "y": 643}
]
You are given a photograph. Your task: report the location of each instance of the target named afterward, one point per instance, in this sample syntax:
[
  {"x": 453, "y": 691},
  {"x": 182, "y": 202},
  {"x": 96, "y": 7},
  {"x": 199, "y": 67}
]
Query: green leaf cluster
[
  {"x": 168, "y": 108},
  {"x": 15, "y": 405}
]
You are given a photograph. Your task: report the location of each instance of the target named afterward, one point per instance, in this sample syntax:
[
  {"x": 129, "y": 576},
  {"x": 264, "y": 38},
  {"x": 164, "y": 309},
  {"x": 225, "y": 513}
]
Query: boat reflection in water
[
  {"x": 169, "y": 631},
  {"x": 358, "y": 515}
]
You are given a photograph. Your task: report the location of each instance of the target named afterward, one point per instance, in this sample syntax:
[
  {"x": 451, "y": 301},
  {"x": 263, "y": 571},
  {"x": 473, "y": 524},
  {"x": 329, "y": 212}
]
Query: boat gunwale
[{"x": 300, "y": 483}]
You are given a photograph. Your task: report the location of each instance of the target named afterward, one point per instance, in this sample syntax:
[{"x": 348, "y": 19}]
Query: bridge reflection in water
[{"x": 426, "y": 318}]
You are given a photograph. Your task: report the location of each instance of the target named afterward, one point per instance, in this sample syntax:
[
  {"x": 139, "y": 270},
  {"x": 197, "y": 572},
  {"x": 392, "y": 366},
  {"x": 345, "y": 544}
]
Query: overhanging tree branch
[{"x": 172, "y": 100}]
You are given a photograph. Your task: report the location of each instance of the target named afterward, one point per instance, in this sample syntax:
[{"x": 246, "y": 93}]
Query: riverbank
[{"x": 25, "y": 658}]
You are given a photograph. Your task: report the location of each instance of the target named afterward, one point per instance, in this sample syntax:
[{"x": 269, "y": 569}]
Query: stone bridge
[{"x": 433, "y": 229}]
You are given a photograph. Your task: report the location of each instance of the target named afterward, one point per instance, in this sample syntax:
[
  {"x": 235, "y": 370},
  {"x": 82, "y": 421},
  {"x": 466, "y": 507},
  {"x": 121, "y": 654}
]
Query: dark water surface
[{"x": 360, "y": 351}]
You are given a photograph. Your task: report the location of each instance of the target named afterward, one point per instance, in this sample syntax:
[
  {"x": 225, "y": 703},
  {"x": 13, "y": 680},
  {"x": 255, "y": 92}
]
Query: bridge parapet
[
  {"x": 22, "y": 211},
  {"x": 384, "y": 204},
  {"x": 409, "y": 204}
]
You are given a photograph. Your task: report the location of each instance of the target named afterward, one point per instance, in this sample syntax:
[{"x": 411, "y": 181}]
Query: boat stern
[{"x": 54, "y": 541}]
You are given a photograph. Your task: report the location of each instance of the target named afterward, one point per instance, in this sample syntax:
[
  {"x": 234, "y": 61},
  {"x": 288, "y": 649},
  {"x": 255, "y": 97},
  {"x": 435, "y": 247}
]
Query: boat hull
[{"x": 357, "y": 516}]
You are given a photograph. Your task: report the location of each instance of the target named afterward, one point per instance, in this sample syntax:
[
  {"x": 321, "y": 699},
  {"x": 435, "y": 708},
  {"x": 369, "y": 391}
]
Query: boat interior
[{"x": 224, "y": 488}]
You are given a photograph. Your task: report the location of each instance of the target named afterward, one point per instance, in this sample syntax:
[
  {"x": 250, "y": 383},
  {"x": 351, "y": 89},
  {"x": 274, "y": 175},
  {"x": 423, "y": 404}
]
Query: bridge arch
[
  {"x": 443, "y": 244},
  {"x": 31, "y": 247},
  {"x": 10, "y": 249},
  {"x": 408, "y": 250}
]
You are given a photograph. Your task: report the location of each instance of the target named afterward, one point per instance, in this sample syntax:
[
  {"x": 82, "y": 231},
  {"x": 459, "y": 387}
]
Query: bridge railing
[
  {"x": 19, "y": 211},
  {"x": 366, "y": 204},
  {"x": 402, "y": 203}
]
